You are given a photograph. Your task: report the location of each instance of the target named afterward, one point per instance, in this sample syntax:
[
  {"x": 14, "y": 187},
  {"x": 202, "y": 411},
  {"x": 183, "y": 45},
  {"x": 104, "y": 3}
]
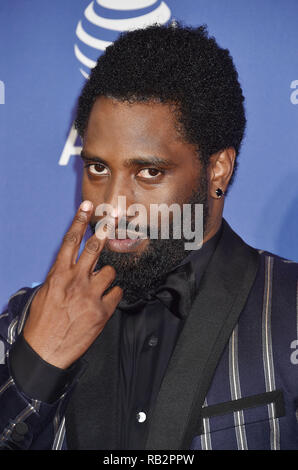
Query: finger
[
  {"x": 71, "y": 242},
  {"x": 90, "y": 254},
  {"x": 112, "y": 298},
  {"x": 102, "y": 232},
  {"x": 102, "y": 279}
]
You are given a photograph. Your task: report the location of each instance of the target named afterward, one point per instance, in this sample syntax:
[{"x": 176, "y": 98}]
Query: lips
[{"x": 121, "y": 244}]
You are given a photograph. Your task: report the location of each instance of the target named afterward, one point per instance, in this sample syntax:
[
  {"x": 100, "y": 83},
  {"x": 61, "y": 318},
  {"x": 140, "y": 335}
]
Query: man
[{"x": 139, "y": 343}]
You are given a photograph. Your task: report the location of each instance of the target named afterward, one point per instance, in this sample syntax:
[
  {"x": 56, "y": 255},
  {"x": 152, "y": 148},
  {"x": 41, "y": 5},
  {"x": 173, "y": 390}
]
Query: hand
[{"x": 69, "y": 311}]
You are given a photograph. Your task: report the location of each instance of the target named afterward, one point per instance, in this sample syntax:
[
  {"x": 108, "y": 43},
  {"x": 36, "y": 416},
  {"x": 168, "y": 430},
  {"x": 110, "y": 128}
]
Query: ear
[{"x": 220, "y": 169}]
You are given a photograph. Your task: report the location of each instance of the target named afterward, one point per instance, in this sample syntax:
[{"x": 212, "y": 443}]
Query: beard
[{"x": 139, "y": 273}]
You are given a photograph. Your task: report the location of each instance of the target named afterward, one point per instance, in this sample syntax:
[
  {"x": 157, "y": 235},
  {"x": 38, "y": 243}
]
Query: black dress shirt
[{"x": 149, "y": 332}]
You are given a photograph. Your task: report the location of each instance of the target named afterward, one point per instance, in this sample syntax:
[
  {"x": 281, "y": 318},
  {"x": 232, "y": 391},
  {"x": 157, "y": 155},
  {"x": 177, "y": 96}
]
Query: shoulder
[
  {"x": 280, "y": 272},
  {"x": 283, "y": 269},
  {"x": 276, "y": 277},
  {"x": 275, "y": 295},
  {"x": 280, "y": 261}
]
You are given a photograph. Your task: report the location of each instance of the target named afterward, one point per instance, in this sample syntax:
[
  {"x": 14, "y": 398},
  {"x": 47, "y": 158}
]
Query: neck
[{"x": 213, "y": 225}]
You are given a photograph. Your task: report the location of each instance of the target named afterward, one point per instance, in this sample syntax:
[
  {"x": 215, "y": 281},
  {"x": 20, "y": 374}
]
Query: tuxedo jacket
[{"x": 231, "y": 383}]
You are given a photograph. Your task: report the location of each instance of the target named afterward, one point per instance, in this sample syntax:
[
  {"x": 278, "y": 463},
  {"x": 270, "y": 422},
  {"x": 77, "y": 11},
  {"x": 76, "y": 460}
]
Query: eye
[
  {"x": 97, "y": 169},
  {"x": 149, "y": 173}
]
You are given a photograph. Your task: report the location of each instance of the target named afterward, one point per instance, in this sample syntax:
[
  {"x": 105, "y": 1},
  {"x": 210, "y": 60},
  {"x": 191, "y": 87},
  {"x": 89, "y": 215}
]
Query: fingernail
[{"x": 86, "y": 206}]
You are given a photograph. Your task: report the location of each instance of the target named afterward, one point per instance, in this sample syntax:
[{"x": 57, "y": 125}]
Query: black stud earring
[{"x": 219, "y": 193}]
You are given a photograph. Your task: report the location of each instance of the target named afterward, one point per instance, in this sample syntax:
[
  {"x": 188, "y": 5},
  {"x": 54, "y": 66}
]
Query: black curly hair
[{"x": 179, "y": 65}]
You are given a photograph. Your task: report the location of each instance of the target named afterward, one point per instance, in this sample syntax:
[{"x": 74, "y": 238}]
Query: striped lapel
[{"x": 223, "y": 292}]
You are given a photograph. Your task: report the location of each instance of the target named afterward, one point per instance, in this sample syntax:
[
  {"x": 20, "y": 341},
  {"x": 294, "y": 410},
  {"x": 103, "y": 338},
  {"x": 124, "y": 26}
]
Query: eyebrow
[{"x": 133, "y": 162}]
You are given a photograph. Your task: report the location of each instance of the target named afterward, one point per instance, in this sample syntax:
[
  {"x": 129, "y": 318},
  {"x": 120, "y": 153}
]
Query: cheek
[
  {"x": 91, "y": 192},
  {"x": 176, "y": 193}
]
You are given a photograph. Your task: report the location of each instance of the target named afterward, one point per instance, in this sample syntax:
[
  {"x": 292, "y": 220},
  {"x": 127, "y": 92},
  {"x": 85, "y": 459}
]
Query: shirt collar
[
  {"x": 179, "y": 289},
  {"x": 200, "y": 258}
]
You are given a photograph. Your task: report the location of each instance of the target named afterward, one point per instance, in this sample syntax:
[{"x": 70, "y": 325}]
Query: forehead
[{"x": 138, "y": 122}]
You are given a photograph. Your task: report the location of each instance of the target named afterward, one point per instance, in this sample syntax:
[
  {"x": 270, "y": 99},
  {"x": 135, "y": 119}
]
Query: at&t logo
[{"x": 101, "y": 24}]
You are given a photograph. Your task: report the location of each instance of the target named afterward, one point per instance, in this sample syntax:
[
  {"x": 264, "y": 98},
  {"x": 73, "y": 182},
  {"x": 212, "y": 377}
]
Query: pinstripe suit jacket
[{"x": 232, "y": 381}]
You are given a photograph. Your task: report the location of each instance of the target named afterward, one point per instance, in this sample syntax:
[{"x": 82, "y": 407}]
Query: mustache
[{"x": 123, "y": 227}]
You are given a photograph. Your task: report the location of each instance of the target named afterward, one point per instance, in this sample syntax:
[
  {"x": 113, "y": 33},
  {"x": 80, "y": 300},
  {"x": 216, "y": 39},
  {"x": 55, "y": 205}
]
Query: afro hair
[{"x": 179, "y": 65}]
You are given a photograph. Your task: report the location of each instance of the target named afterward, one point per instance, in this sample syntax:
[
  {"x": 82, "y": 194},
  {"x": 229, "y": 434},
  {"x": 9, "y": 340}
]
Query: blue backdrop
[{"x": 47, "y": 49}]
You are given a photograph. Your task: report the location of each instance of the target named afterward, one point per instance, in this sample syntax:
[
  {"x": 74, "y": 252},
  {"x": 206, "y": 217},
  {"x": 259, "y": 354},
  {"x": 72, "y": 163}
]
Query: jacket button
[
  {"x": 19, "y": 431},
  {"x": 141, "y": 417},
  {"x": 153, "y": 341}
]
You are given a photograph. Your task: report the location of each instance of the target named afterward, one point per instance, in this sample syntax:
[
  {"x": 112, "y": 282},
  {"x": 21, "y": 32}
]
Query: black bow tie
[{"x": 176, "y": 293}]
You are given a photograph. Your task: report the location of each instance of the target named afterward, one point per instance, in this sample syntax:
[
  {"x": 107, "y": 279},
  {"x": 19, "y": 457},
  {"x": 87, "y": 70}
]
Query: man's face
[{"x": 134, "y": 150}]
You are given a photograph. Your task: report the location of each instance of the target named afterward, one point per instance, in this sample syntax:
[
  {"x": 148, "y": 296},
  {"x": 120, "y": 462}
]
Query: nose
[{"x": 119, "y": 196}]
